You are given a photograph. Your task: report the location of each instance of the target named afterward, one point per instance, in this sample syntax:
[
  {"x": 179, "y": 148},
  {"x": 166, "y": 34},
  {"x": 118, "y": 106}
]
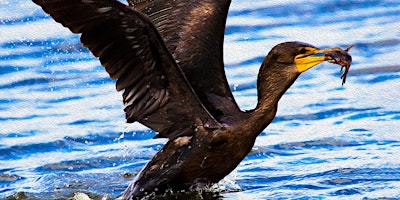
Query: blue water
[{"x": 62, "y": 126}]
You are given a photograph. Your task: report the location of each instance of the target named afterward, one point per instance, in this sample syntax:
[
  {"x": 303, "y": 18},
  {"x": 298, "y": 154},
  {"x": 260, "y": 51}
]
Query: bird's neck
[{"x": 272, "y": 83}]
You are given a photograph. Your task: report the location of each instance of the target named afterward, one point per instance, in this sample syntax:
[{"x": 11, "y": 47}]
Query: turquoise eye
[{"x": 302, "y": 50}]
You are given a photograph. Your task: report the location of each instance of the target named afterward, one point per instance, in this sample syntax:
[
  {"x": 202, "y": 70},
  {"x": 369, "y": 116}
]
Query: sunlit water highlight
[{"x": 62, "y": 127}]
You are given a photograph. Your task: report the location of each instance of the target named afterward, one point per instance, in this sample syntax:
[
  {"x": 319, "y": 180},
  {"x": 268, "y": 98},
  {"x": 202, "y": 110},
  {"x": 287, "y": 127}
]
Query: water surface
[{"x": 62, "y": 126}]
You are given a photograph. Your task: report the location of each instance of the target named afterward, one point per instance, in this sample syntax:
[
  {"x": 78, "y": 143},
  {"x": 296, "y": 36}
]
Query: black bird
[{"x": 167, "y": 57}]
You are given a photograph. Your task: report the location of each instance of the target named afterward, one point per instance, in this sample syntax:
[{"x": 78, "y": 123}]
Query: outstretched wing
[
  {"x": 193, "y": 31},
  {"x": 129, "y": 47}
]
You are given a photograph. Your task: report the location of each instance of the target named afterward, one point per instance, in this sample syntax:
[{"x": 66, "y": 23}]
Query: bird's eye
[{"x": 302, "y": 50}]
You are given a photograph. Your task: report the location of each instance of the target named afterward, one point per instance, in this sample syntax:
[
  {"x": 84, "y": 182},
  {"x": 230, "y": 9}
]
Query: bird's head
[
  {"x": 299, "y": 55},
  {"x": 286, "y": 61}
]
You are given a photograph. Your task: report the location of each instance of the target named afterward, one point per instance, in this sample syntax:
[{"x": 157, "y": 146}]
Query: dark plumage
[{"x": 168, "y": 60}]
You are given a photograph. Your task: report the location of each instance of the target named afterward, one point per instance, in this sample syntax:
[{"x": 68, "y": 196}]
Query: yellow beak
[{"x": 311, "y": 58}]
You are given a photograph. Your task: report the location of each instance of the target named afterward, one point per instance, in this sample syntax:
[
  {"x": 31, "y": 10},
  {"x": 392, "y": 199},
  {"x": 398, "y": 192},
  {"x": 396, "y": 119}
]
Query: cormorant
[{"x": 167, "y": 57}]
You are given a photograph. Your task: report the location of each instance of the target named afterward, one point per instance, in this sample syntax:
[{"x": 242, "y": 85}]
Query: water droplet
[
  {"x": 235, "y": 86},
  {"x": 203, "y": 162}
]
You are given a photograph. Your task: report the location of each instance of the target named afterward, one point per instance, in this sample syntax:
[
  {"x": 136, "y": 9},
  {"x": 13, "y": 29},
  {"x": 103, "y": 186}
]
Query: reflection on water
[{"x": 63, "y": 130}]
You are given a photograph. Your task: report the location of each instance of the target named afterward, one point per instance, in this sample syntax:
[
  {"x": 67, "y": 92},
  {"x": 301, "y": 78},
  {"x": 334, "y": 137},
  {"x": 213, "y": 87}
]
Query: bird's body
[
  {"x": 168, "y": 60},
  {"x": 204, "y": 158}
]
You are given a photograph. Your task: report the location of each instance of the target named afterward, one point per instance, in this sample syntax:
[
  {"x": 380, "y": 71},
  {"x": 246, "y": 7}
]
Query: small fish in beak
[{"x": 342, "y": 58}]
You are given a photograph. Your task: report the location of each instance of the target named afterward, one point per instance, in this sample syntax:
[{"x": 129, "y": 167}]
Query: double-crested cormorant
[{"x": 168, "y": 59}]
